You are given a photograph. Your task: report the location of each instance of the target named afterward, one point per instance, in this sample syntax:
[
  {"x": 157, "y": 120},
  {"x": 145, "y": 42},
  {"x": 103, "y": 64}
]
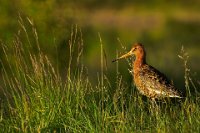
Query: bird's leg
[
  {"x": 153, "y": 102},
  {"x": 154, "y": 106}
]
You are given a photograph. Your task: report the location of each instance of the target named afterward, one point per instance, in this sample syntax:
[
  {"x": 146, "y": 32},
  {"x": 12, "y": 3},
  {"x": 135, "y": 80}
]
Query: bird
[{"x": 148, "y": 80}]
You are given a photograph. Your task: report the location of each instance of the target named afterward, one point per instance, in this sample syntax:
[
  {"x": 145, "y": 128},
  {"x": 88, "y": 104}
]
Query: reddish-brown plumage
[{"x": 149, "y": 81}]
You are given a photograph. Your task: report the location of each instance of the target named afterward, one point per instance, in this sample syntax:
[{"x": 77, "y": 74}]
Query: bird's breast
[{"x": 137, "y": 80}]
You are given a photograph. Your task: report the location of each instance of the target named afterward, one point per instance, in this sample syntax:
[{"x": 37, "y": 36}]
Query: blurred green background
[{"x": 162, "y": 26}]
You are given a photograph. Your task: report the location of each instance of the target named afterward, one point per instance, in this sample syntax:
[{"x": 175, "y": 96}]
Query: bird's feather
[{"x": 156, "y": 83}]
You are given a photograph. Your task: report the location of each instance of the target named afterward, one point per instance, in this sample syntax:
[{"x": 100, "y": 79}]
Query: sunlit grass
[{"x": 37, "y": 99}]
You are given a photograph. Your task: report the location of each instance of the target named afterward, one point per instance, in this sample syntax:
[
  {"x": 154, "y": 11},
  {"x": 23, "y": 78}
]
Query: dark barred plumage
[
  {"x": 154, "y": 84},
  {"x": 149, "y": 81}
]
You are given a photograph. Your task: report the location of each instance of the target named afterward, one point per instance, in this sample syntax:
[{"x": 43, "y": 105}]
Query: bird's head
[{"x": 137, "y": 50}]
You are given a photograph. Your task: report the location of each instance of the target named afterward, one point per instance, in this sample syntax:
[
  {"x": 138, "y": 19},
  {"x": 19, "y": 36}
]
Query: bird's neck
[{"x": 139, "y": 62}]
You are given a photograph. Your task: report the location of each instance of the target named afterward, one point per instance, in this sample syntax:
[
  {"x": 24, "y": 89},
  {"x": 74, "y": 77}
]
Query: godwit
[{"x": 149, "y": 81}]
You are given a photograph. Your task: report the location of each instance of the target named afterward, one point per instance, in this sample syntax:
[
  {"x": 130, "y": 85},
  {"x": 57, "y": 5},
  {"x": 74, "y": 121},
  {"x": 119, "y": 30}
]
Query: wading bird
[{"x": 149, "y": 81}]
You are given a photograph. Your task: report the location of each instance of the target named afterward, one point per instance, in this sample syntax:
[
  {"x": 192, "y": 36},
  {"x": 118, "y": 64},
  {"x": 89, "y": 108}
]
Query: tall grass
[{"x": 37, "y": 99}]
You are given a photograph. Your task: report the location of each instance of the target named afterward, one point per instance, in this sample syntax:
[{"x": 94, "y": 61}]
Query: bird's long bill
[{"x": 123, "y": 56}]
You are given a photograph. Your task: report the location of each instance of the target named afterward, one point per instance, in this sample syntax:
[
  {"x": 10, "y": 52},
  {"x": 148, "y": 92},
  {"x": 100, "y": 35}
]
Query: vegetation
[
  {"x": 37, "y": 98},
  {"x": 61, "y": 79}
]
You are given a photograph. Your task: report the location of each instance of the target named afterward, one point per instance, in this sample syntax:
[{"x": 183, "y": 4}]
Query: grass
[{"x": 37, "y": 99}]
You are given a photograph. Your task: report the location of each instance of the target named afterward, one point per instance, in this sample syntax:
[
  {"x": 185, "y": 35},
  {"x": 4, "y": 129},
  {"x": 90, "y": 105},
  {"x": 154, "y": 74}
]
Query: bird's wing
[{"x": 156, "y": 82}]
